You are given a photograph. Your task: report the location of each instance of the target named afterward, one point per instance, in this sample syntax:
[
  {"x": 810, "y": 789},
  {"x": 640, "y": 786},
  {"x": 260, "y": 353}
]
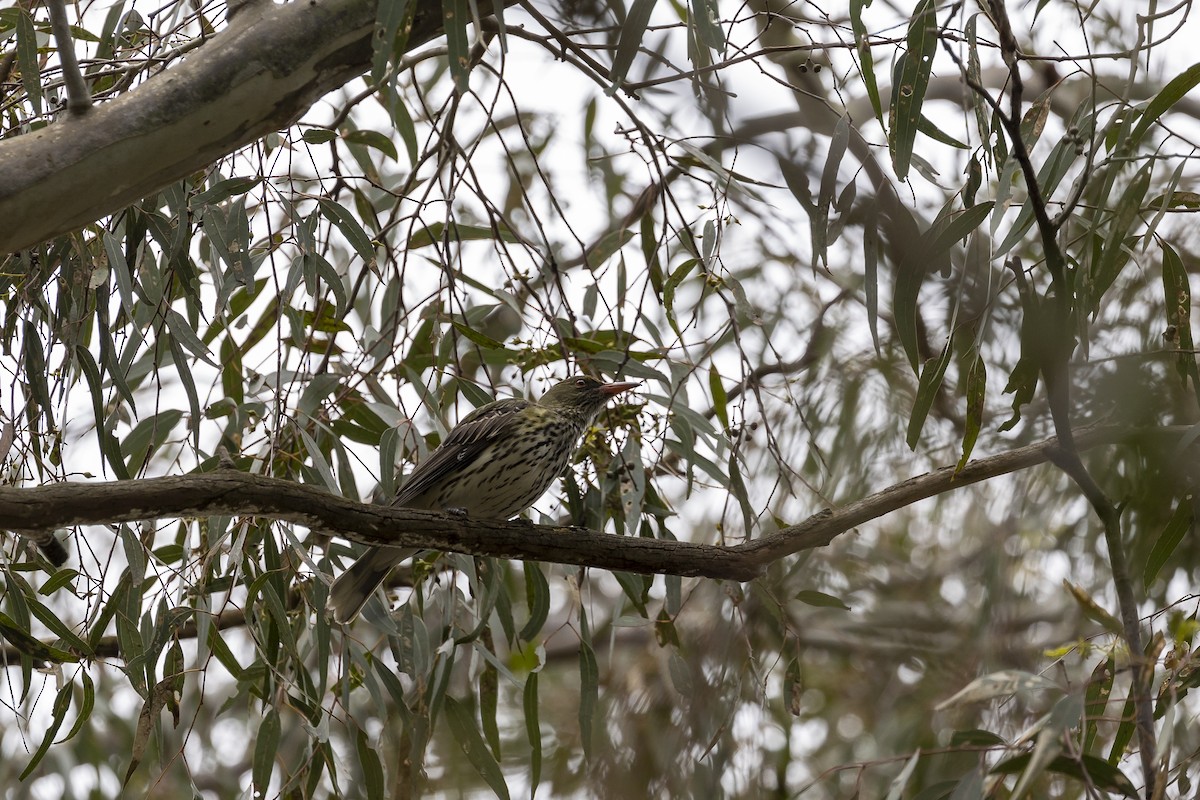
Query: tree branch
[
  {"x": 258, "y": 75},
  {"x": 227, "y": 492},
  {"x": 79, "y": 99},
  {"x": 1058, "y": 324},
  {"x": 31, "y": 511}
]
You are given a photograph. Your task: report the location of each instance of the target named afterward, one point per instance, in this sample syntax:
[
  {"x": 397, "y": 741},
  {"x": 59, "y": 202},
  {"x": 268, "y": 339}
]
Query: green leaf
[
  {"x": 1127, "y": 213},
  {"x": 608, "y": 246},
  {"x": 392, "y": 23},
  {"x": 932, "y": 373},
  {"x": 1093, "y": 610},
  {"x": 940, "y": 237},
  {"x": 57, "y": 581},
  {"x": 481, "y": 339},
  {"x": 911, "y": 80},
  {"x": 633, "y": 30},
  {"x": 232, "y": 374},
  {"x": 85, "y": 707},
  {"x": 322, "y": 135},
  {"x": 109, "y": 447},
  {"x": 266, "y": 746},
  {"x": 147, "y": 436},
  {"x": 812, "y": 597},
  {"x": 1177, "y": 295},
  {"x": 976, "y": 395},
  {"x": 1124, "y": 734},
  {"x": 833, "y": 160},
  {"x": 62, "y": 702},
  {"x": 437, "y": 232},
  {"x": 489, "y": 697},
  {"x": 36, "y": 370},
  {"x": 31, "y": 646},
  {"x": 636, "y": 588},
  {"x": 975, "y": 737},
  {"x": 58, "y": 627},
  {"x": 1175, "y": 90},
  {"x": 705, "y": 21},
  {"x": 183, "y": 369},
  {"x": 1095, "y": 701},
  {"x": 373, "y": 139},
  {"x": 865, "y": 59},
  {"x": 681, "y": 674},
  {"x": 1087, "y": 769},
  {"x": 969, "y": 787},
  {"x": 589, "y": 691},
  {"x": 221, "y": 191},
  {"x": 937, "y": 134},
  {"x": 27, "y": 59},
  {"x": 537, "y": 597},
  {"x": 182, "y": 332},
  {"x": 871, "y": 273},
  {"x": 224, "y": 655},
  {"x": 673, "y": 280},
  {"x": 348, "y": 225},
  {"x": 533, "y": 731},
  {"x": 455, "y": 16},
  {"x": 720, "y": 399},
  {"x": 462, "y": 725},
  {"x": 953, "y": 228},
  {"x": 372, "y": 769},
  {"x": 1180, "y": 523}
]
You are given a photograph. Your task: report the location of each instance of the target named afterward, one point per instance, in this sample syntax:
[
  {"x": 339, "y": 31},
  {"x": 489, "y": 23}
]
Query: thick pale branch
[{"x": 257, "y": 76}]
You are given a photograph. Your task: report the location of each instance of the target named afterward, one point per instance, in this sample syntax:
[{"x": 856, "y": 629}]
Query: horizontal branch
[
  {"x": 33, "y": 511},
  {"x": 228, "y": 492}
]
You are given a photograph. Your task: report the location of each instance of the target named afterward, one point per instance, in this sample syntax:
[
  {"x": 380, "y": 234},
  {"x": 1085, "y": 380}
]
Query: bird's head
[{"x": 582, "y": 395}]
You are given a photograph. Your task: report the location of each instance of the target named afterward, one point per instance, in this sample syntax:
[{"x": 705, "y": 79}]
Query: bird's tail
[{"x": 354, "y": 587}]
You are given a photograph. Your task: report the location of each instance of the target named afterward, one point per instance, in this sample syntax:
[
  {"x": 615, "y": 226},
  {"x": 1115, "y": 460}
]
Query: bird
[{"x": 494, "y": 464}]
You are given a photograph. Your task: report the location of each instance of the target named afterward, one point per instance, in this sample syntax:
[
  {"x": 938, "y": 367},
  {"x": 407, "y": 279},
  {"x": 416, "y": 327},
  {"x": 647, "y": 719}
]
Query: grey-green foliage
[{"x": 693, "y": 195}]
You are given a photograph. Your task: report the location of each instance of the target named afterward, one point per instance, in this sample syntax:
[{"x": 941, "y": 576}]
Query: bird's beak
[{"x": 612, "y": 389}]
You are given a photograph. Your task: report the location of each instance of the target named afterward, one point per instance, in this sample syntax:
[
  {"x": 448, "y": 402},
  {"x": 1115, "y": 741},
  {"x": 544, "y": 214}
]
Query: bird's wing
[{"x": 465, "y": 443}]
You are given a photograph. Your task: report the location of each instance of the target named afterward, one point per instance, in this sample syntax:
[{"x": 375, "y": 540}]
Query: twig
[{"x": 79, "y": 99}]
